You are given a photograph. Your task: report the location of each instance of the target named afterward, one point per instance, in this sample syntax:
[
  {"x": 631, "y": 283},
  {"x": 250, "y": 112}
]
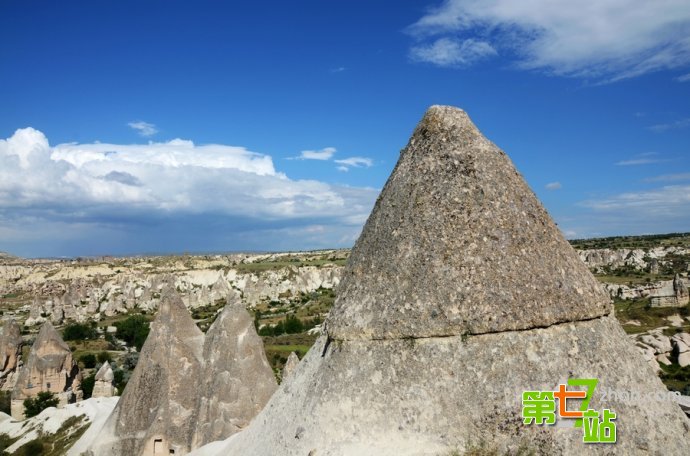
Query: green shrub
[
  {"x": 134, "y": 330},
  {"x": 88, "y": 360},
  {"x": 79, "y": 331},
  {"x": 35, "y": 405},
  {"x": 32, "y": 448},
  {"x": 104, "y": 356},
  {"x": 87, "y": 385}
]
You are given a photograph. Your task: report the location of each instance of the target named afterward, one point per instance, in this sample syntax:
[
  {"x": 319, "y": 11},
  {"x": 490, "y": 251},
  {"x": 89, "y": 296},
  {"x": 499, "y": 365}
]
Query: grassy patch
[{"x": 649, "y": 317}]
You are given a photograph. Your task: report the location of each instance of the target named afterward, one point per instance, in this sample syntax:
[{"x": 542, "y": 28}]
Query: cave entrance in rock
[{"x": 158, "y": 447}]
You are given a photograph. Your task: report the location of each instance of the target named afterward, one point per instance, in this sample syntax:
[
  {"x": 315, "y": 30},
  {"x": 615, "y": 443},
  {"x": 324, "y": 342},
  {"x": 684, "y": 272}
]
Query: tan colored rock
[
  {"x": 188, "y": 389},
  {"x": 459, "y": 295},
  {"x": 290, "y": 366},
  {"x": 11, "y": 343},
  {"x": 103, "y": 386},
  {"x": 237, "y": 380},
  {"x": 50, "y": 367}
]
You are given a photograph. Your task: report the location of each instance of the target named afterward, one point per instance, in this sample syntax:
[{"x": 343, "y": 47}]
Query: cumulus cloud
[
  {"x": 324, "y": 154},
  {"x": 450, "y": 52},
  {"x": 602, "y": 39},
  {"x": 553, "y": 186},
  {"x": 115, "y": 187},
  {"x": 143, "y": 128}
]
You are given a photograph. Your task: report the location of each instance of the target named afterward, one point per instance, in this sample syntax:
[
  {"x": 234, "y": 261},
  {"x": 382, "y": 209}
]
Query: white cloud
[
  {"x": 143, "y": 128},
  {"x": 647, "y": 158},
  {"x": 666, "y": 200},
  {"x": 683, "y": 78},
  {"x": 449, "y": 52},
  {"x": 355, "y": 162},
  {"x": 338, "y": 69},
  {"x": 659, "y": 210},
  {"x": 553, "y": 186},
  {"x": 603, "y": 39},
  {"x": 669, "y": 178},
  {"x": 324, "y": 154},
  {"x": 676, "y": 125},
  {"x": 112, "y": 185}
]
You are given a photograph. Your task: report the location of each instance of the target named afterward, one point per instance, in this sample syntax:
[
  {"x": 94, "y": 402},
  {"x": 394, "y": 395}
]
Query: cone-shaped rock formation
[
  {"x": 237, "y": 381},
  {"x": 11, "y": 343},
  {"x": 187, "y": 389},
  {"x": 51, "y": 368},
  {"x": 459, "y": 295},
  {"x": 103, "y": 385}
]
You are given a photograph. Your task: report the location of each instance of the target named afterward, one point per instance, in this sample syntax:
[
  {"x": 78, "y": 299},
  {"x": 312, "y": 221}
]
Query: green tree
[
  {"x": 134, "y": 330},
  {"x": 79, "y": 331},
  {"x": 87, "y": 385},
  {"x": 104, "y": 356},
  {"x": 88, "y": 360},
  {"x": 35, "y": 405}
]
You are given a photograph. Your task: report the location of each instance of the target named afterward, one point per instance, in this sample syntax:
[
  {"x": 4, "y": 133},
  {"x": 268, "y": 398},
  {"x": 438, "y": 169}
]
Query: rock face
[
  {"x": 411, "y": 362},
  {"x": 187, "y": 389},
  {"x": 50, "y": 367},
  {"x": 11, "y": 343},
  {"x": 103, "y": 386},
  {"x": 290, "y": 365},
  {"x": 237, "y": 380}
]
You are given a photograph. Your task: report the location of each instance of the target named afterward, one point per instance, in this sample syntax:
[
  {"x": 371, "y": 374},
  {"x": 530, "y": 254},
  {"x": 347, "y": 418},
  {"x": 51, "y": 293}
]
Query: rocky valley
[{"x": 459, "y": 295}]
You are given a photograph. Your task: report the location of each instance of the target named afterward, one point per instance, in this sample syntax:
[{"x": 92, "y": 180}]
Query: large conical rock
[
  {"x": 50, "y": 367},
  {"x": 459, "y": 295},
  {"x": 103, "y": 382},
  {"x": 189, "y": 389},
  {"x": 238, "y": 380}
]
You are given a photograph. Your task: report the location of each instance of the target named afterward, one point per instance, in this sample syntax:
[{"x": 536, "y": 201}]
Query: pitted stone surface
[
  {"x": 457, "y": 243},
  {"x": 434, "y": 396}
]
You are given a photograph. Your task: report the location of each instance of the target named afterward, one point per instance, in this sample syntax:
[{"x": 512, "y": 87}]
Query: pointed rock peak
[
  {"x": 48, "y": 336},
  {"x": 105, "y": 373},
  {"x": 290, "y": 365},
  {"x": 174, "y": 315},
  {"x": 457, "y": 243},
  {"x": 11, "y": 331}
]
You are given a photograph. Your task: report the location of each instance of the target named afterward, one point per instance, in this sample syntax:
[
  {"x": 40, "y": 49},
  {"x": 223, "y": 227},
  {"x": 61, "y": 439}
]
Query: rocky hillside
[{"x": 33, "y": 291}]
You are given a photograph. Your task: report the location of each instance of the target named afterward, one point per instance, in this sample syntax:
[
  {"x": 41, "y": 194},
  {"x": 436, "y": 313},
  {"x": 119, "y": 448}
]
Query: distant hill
[{"x": 634, "y": 242}]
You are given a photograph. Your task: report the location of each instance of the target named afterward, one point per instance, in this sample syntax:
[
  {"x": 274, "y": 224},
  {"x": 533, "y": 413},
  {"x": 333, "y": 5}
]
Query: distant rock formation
[
  {"x": 290, "y": 365},
  {"x": 103, "y": 385},
  {"x": 188, "y": 389},
  {"x": 11, "y": 343},
  {"x": 672, "y": 293},
  {"x": 51, "y": 368},
  {"x": 237, "y": 380},
  {"x": 460, "y": 294}
]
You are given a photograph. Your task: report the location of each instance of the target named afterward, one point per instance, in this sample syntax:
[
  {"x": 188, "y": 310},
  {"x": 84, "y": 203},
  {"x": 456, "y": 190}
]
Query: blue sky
[{"x": 172, "y": 126}]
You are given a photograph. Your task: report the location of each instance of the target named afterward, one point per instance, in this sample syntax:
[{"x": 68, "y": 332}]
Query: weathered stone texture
[{"x": 458, "y": 243}]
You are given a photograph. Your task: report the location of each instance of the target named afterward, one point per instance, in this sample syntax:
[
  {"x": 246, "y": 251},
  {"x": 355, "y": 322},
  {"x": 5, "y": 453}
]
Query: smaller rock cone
[{"x": 50, "y": 367}]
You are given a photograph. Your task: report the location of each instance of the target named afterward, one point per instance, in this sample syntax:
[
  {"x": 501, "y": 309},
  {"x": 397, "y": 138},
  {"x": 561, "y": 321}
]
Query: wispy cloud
[
  {"x": 447, "y": 52},
  {"x": 676, "y": 125},
  {"x": 339, "y": 69},
  {"x": 354, "y": 162},
  {"x": 605, "y": 40},
  {"x": 668, "y": 178},
  {"x": 553, "y": 186},
  {"x": 324, "y": 154},
  {"x": 647, "y": 158},
  {"x": 683, "y": 78},
  {"x": 143, "y": 128}
]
